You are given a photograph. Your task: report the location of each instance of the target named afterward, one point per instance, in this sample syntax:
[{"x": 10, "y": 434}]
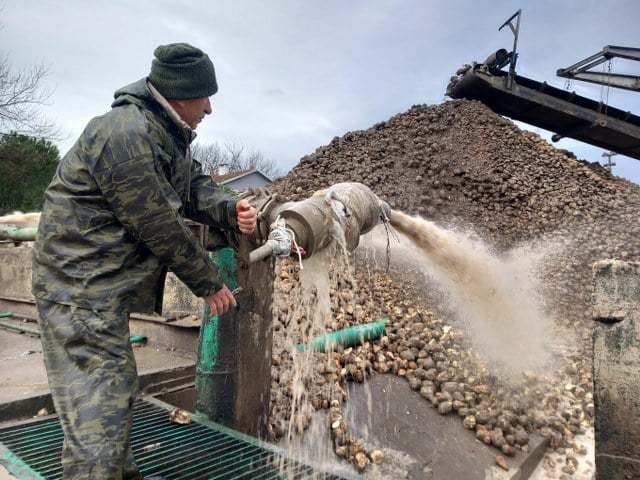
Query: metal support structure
[
  {"x": 580, "y": 70},
  {"x": 15, "y": 233},
  {"x": 233, "y": 371},
  {"x": 514, "y": 55}
]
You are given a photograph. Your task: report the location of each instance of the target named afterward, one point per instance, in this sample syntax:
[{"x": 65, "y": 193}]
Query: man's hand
[
  {"x": 220, "y": 301},
  {"x": 247, "y": 217}
]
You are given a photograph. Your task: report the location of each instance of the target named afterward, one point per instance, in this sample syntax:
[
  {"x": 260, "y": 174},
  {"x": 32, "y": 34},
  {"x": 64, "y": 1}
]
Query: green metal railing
[{"x": 198, "y": 450}]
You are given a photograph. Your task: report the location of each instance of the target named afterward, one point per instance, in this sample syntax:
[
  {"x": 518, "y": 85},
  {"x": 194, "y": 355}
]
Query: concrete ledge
[
  {"x": 24, "y": 388},
  {"x": 157, "y": 384},
  {"x": 616, "y": 369}
]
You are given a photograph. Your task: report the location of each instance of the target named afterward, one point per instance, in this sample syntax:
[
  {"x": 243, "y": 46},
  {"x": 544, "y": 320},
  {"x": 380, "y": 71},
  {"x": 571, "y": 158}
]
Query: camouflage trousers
[{"x": 93, "y": 381}]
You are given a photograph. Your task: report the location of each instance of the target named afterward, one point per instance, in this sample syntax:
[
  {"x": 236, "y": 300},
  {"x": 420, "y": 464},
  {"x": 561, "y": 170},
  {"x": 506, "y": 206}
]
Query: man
[{"x": 112, "y": 222}]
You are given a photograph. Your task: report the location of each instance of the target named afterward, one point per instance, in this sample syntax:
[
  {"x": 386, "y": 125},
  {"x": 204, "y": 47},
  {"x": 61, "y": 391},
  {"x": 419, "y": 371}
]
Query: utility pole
[{"x": 608, "y": 163}]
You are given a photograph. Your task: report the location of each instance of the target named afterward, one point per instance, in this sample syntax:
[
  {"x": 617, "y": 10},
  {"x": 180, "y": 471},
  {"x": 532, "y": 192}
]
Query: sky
[{"x": 294, "y": 74}]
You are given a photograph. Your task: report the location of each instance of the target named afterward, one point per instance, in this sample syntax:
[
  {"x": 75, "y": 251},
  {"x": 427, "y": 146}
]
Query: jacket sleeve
[
  {"x": 146, "y": 204},
  {"x": 210, "y": 204}
]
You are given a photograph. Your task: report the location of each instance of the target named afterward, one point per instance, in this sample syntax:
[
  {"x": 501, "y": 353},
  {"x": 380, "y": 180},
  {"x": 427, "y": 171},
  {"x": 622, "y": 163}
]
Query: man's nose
[{"x": 207, "y": 107}]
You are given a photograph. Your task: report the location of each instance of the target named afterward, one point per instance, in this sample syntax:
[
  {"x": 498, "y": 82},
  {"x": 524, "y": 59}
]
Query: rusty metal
[
  {"x": 580, "y": 70},
  {"x": 550, "y": 108},
  {"x": 513, "y": 56},
  {"x": 349, "y": 206}
]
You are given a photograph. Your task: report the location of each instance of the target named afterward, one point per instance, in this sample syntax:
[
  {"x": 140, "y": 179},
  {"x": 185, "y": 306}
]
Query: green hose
[
  {"x": 6, "y": 314},
  {"x": 347, "y": 337}
]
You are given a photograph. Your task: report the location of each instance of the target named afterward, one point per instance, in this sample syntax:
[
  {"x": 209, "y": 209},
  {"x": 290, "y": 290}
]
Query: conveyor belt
[{"x": 559, "y": 111}]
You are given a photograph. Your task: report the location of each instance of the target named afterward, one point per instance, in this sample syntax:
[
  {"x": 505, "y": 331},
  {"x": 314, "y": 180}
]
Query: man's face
[{"x": 192, "y": 111}]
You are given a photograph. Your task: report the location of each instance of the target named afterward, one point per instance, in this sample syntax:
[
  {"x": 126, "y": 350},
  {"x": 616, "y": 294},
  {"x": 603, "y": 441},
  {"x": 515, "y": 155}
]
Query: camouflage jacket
[{"x": 112, "y": 218}]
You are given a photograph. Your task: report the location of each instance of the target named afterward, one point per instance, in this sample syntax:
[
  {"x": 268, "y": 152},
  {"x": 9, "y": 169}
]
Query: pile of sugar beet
[{"x": 456, "y": 163}]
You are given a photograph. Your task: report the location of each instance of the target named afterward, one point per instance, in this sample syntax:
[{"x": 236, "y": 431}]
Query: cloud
[{"x": 295, "y": 74}]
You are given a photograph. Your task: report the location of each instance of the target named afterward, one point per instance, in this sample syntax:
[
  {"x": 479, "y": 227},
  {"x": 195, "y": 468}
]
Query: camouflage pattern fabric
[
  {"x": 112, "y": 222},
  {"x": 114, "y": 212},
  {"x": 93, "y": 379}
]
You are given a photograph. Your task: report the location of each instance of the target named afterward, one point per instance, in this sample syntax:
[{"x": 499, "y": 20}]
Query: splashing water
[
  {"x": 313, "y": 307},
  {"x": 495, "y": 298}
]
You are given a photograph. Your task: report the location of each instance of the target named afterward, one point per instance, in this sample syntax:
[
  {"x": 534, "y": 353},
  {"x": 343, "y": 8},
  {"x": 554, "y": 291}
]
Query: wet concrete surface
[
  {"x": 387, "y": 413},
  {"x": 22, "y": 372},
  {"x": 4, "y": 475},
  {"x": 24, "y": 388}
]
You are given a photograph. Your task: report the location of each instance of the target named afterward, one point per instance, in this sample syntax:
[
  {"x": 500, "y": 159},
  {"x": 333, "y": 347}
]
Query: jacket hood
[
  {"x": 139, "y": 94},
  {"x": 135, "y": 93}
]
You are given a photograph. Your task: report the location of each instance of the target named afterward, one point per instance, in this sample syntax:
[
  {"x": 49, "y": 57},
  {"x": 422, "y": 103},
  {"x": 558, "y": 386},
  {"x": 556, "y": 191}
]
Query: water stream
[{"x": 495, "y": 297}]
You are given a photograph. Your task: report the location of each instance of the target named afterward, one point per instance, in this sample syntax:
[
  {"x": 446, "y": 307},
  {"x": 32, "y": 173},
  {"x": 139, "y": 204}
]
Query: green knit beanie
[{"x": 182, "y": 72}]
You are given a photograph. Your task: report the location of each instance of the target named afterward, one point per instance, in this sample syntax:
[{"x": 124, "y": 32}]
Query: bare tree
[
  {"x": 22, "y": 96},
  {"x": 211, "y": 156}
]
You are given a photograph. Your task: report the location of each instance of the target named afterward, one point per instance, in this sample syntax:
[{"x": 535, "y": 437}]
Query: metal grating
[{"x": 199, "y": 450}]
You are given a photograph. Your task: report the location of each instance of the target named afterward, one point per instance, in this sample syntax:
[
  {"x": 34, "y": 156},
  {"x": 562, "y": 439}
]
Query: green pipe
[
  {"x": 20, "y": 328},
  {"x": 347, "y": 337},
  {"x": 23, "y": 234}
]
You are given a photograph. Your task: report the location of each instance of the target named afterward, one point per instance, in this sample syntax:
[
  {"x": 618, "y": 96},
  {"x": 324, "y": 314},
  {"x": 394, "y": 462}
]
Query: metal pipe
[
  {"x": 350, "y": 206},
  {"x": 279, "y": 243},
  {"x": 261, "y": 253},
  {"x": 22, "y": 234},
  {"x": 19, "y": 328}
]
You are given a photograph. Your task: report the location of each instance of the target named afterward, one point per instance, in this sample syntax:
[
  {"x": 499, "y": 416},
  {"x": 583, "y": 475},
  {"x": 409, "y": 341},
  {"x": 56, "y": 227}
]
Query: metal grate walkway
[{"x": 200, "y": 450}]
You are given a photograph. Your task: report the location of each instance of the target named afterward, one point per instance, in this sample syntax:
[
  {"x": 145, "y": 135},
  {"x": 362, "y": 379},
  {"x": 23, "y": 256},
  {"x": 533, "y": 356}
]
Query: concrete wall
[
  {"x": 178, "y": 300},
  {"x": 15, "y": 272},
  {"x": 15, "y": 286},
  {"x": 616, "y": 369}
]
